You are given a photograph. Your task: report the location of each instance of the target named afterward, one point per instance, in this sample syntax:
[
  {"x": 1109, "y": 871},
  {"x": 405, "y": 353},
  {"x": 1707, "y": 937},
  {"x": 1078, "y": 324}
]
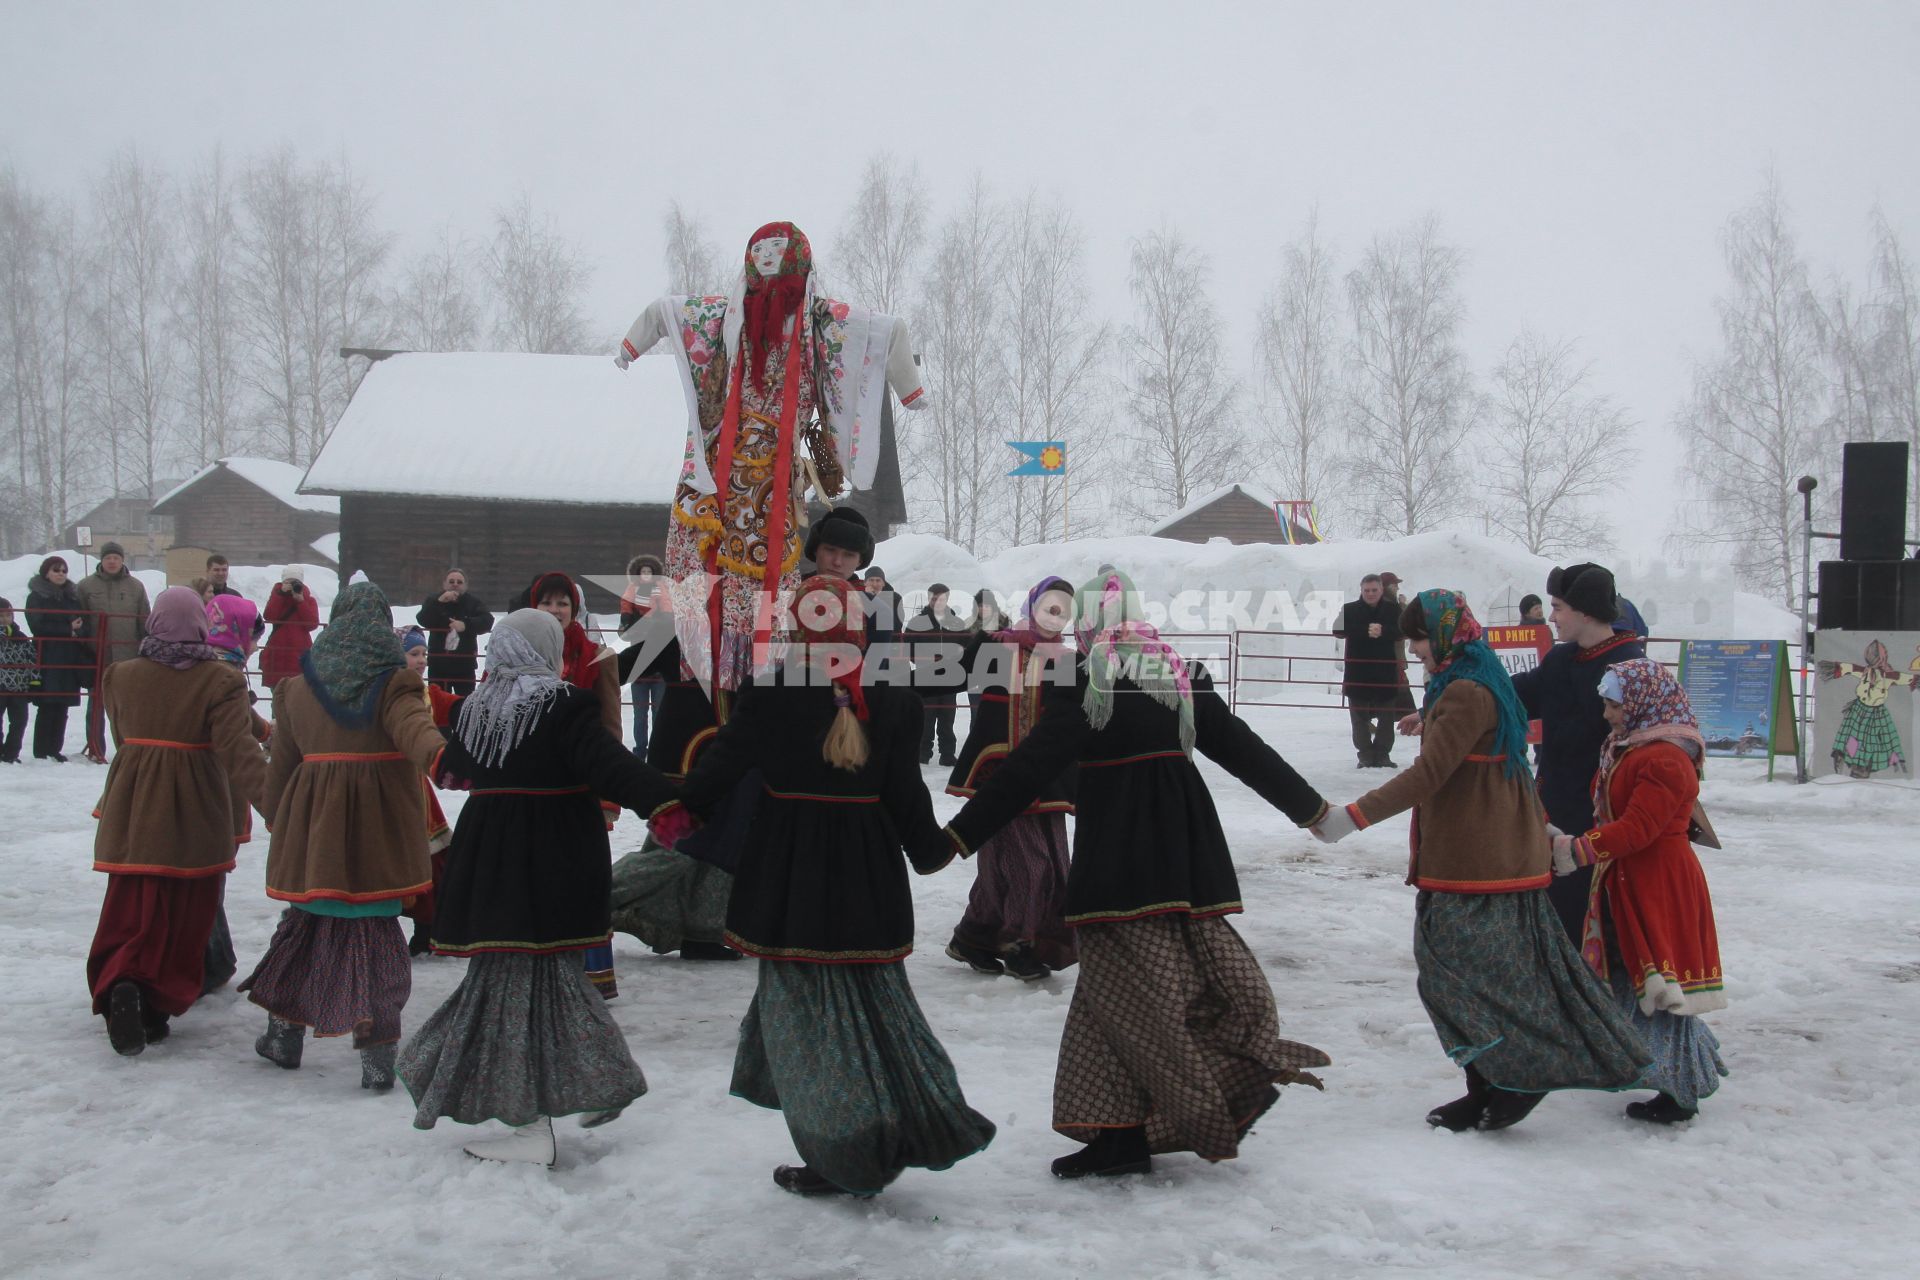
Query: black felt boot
[
  {"x": 707, "y": 951},
  {"x": 979, "y": 959},
  {"x": 376, "y": 1066},
  {"x": 1260, "y": 1108},
  {"x": 126, "y": 1020},
  {"x": 803, "y": 1181},
  {"x": 1114, "y": 1152},
  {"x": 1464, "y": 1112},
  {"x": 1662, "y": 1108},
  {"x": 283, "y": 1043},
  {"x": 1506, "y": 1108}
]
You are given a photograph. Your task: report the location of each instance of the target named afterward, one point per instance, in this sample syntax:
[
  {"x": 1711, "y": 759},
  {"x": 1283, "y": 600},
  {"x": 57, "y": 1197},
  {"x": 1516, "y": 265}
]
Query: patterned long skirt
[
  {"x": 844, "y": 1052},
  {"x": 1507, "y": 992},
  {"x": 522, "y": 1036},
  {"x": 665, "y": 898},
  {"x": 1172, "y": 1026},
  {"x": 1686, "y": 1053},
  {"x": 1020, "y": 891},
  {"x": 337, "y": 976},
  {"x": 153, "y": 932},
  {"x": 1868, "y": 738}
]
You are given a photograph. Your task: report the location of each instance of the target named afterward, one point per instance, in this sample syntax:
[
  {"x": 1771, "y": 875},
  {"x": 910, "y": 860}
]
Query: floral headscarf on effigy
[
  {"x": 771, "y": 301},
  {"x": 1460, "y": 652},
  {"x": 356, "y": 654},
  {"x": 1658, "y": 710},
  {"x": 1118, "y": 642}
]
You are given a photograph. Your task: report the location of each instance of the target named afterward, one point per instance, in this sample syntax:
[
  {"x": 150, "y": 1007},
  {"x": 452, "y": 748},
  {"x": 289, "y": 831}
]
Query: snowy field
[{"x": 200, "y": 1158}]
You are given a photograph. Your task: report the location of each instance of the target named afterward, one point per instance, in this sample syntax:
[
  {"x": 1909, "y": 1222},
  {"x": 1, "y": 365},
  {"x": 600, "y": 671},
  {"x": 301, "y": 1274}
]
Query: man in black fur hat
[{"x": 840, "y": 543}]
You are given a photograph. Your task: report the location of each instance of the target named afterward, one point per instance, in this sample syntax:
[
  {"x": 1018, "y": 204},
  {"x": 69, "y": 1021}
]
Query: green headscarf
[
  {"x": 1460, "y": 652},
  {"x": 349, "y": 665},
  {"x": 1119, "y": 643}
]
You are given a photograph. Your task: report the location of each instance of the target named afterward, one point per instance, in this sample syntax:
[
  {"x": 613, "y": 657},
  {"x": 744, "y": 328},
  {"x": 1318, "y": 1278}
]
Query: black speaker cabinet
[
  {"x": 1872, "y": 595},
  {"x": 1873, "y": 501}
]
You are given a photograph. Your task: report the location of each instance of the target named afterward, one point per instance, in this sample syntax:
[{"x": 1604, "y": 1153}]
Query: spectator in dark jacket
[
  {"x": 645, "y": 574},
  {"x": 883, "y": 608},
  {"x": 19, "y": 682},
  {"x": 217, "y": 570},
  {"x": 454, "y": 621},
  {"x": 1370, "y": 628},
  {"x": 935, "y": 636},
  {"x": 63, "y": 631},
  {"x": 1532, "y": 610}
]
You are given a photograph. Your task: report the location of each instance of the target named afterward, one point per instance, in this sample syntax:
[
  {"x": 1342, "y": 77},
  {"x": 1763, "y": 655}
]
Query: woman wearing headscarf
[
  {"x": 233, "y": 627},
  {"x": 440, "y": 703},
  {"x": 1508, "y": 994},
  {"x": 1015, "y": 920},
  {"x": 351, "y": 736},
  {"x": 184, "y": 756},
  {"x": 591, "y": 668},
  {"x": 1172, "y": 1041},
  {"x": 525, "y": 1038},
  {"x": 1649, "y": 928},
  {"x": 834, "y": 1037}
]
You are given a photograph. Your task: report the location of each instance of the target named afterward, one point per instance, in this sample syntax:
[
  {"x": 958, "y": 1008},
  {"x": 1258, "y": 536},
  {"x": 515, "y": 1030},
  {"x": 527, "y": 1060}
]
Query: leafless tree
[
  {"x": 140, "y": 273},
  {"x": 1858, "y": 390},
  {"x": 954, "y": 448},
  {"x": 1896, "y": 295},
  {"x": 276, "y": 249},
  {"x": 1409, "y": 392},
  {"x": 1053, "y": 359},
  {"x": 1554, "y": 448},
  {"x": 1754, "y": 424},
  {"x": 351, "y": 258},
  {"x": 1179, "y": 396},
  {"x": 538, "y": 277},
  {"x": 436, "y": 306},
  {"x": 693, "y": 266},
  {"x": 1297, "y": 360},
  {"x": 208, "y": 312},
  {"x": 879, "y": 245}
]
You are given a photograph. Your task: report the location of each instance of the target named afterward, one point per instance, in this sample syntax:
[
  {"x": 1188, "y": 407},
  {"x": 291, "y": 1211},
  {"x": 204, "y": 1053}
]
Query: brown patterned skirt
[{"x": 1172, "y": 1026}]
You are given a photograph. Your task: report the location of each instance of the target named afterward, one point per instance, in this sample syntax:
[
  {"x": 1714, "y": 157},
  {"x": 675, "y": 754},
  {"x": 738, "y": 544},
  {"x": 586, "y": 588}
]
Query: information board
[
  {"x": 1740, "y": 696},
  {"x": 1520, "y": 648}
]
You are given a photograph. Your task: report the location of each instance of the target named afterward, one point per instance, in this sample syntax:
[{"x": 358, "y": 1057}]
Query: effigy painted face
[{"x": 766, "y": 255}]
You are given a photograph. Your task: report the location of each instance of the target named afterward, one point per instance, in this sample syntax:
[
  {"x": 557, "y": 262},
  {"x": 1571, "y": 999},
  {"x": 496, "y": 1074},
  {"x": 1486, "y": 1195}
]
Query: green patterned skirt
[
  {"x": 844, "y": 1052},
  {"x": 665, "y": 898},
  {"x": 1868, "y": 738},
  {"x": 1507, "y": 992}
]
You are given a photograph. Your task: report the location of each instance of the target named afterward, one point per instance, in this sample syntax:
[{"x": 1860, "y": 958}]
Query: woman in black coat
[
  {"x": 525, "y": 1037},
  {"x": 64, "y": 632},
  {"x": 1172, "y": 1040},
  {"x": 834, "y": 1037},
  {"x": 454, "y": 621}
]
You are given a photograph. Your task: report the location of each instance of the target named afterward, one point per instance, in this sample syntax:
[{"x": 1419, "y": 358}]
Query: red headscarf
[
  {"x": 829, "y": 611},
  {"x": 773, "y": 300},
  {"x": 578, "y": 650}
]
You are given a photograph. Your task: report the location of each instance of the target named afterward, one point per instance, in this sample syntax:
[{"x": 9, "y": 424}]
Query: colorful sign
[
  {"x": 1520, "y": 648},
  {"x": 1741, "y": 697},
  {"x": 1044, "y": 457}
]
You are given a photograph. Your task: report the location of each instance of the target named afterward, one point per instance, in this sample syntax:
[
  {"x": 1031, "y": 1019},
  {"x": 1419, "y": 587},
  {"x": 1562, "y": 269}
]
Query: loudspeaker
[
  {"x": 1873, "y": 501},
  {"x": 1872, "y": 595}
]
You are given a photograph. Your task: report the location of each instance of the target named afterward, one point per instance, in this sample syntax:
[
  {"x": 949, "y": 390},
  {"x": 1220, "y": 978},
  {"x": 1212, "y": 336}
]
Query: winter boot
[
  {"x": 530, "y": 1143},
  {"x": 283, "y": 1043},
  {"x": 690, "y": 950},
  {"x": 803, "y": 1181},
  {"x": 154, "y": 1025},
  {"x": 419, "y": 944},
  {"x": 1020, "y": 961},
  {"x": 126, "y": 1023},
  {"x": 1114, "y": 1152},
  {"x": 1462, "y": 1113},
  {"x": 376, "y": 1065},
  {"x": 1662, "y": 1108},
  {"x": 1506, "y": 1108},
  {"x": 981, "y": 959}
]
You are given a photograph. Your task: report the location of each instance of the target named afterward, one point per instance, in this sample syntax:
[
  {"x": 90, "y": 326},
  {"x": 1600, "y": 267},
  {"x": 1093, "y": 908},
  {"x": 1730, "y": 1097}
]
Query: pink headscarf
[
  {"x": 232, "y": 623},
  {"x": 177, "y": 630}
]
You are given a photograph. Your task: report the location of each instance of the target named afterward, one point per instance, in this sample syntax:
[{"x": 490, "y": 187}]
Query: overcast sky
[{"x": 1585, "y": 156}]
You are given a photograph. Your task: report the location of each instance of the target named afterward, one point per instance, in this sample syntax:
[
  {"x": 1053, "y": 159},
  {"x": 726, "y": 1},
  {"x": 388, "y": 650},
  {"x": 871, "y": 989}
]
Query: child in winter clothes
[{"x": 19, "y": 681}]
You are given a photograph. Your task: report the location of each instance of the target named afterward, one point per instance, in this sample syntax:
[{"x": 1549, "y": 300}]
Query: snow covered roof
[
  {"x": 508, "y": 425},
  {"x": 1253, "y": 491},
  {"x": 276, "y": 479},
  {"x": 327, "y": 547}
]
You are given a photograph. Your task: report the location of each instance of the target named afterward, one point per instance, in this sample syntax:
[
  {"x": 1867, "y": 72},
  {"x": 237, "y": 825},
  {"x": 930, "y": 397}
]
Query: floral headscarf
[
  {"x": 522, "y": 680},
  {"x": 177, "y": 630},
  {"x": 1658, "y": 710},
  {"x": 350, "y": 664},
  {"x": 1119, "y": 643},
  {"x": 232, "y": 624},
  {"x": 773, "y": 300},
  {"x": 1024, "y": 633},
  {"x": 1460, "y": 653}
]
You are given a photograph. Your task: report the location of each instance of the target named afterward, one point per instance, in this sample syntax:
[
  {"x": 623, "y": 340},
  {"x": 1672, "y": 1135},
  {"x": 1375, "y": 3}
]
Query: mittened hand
[
  {"x": 671, "y": 823},
  {"x": 1336, "y": 826},
  {"x": 621, "y": 359},
  {"x": 1564, "y": 863}
]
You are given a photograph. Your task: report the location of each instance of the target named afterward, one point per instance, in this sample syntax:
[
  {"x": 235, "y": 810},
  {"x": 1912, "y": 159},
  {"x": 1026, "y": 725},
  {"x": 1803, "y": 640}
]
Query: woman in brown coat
[
  {"x": 184, "y": 758},
  {"x": 1509, "y": 996},
  {"x": 351, "y": 737}
]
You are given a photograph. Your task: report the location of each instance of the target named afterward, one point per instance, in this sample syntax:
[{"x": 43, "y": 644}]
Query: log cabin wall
[
  {"x": 1233, "y": 516},
  {"x": 226, "y": 514}
]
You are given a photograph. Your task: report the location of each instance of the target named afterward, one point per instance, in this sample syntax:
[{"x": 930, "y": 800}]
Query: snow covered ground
[{"x": 199, "y": 1158}]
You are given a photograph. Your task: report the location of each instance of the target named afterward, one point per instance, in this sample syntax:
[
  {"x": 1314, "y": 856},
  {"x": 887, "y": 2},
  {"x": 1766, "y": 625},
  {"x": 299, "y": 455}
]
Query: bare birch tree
[
  {"x": 1409, "y": 392},
  {"x": 693, "y": 265},
  {"x": 879, "y": 245},
  {"x": 1857, "y": 383},
  {"x": 538, "y": 278},
  {"x": 1554, "y": 448},
  {"x": 1754, "y": 423},
  {"x": 349, "y": 265},
  {"x": 1179, "y": 397},
  {"x": 139, "y": 256},
  {"x": 276, "y": 246},
  {"x": 954, "y": 447},
  {"x": 1896, "y": 297},
  {"x": 1297, "y": 361},
  {"x": 208, "y": 311},
  {"x": 436, "y": 306}
]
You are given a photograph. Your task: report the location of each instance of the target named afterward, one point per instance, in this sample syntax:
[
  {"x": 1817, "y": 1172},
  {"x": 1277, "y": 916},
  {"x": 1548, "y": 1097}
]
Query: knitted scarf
[
  {"x": 177, "y": 630},
  {"x": 1658, "y": 710},
  {"x": 522, "y": 680},
  {"x": 355, "y": 655},
  {"x": 1120, "y": 644},
  {"x": 1459, "y": 653}
]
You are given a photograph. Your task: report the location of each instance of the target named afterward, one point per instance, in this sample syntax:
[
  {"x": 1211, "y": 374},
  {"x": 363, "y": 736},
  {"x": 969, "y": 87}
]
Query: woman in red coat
[
  {"x": 291, "y": 609},
  {"x": 1649, "y": 928}
]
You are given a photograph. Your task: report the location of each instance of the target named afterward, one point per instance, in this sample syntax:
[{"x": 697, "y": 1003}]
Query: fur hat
[
  {"x": 843, "y": 527},
  {"x": 1587, "y": 588}
]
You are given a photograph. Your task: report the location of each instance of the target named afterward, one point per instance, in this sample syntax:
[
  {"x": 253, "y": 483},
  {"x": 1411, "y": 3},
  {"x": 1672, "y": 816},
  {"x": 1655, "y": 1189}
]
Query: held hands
[
  {"x": 1336, "y": 826},
  {"x": 1373, "y": 631},
  {"x": 1563, "y": 861},
  {"x": 1408, "y": 726}
]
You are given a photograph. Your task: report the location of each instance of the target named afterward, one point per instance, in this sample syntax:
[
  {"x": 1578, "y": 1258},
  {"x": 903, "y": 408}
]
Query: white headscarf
[{"x": 522, "y": 680}]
